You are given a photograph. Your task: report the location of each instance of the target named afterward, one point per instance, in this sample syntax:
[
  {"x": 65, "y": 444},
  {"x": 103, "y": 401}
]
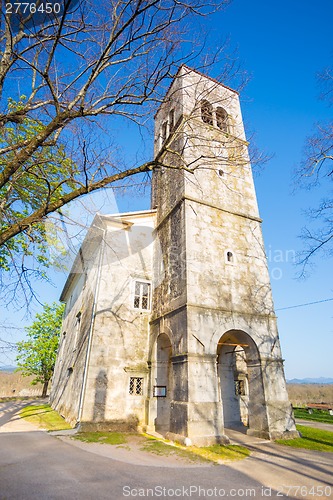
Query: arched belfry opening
[
  {"x": 222, "y": 119},
  {"x": 161, "y": 384},
  {"x": 241, "y": 383},
  {"x": 207, "y": 112}
]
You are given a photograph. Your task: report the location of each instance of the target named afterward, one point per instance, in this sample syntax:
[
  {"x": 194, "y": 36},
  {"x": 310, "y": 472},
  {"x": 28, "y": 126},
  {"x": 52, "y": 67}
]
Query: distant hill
[
  {"x": 7, "y": 368},
  {"x": 14, "y": 384},
  {"x": 320, "y": 380}
]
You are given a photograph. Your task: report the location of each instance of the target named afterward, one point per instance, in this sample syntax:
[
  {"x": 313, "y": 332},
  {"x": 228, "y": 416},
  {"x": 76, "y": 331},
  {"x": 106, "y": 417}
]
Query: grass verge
[
  {"x": 162, "y": 448},
  {"x": 312, "y": 439},
  {"x": 44, "y": 417},
  {"x": 114, "y": 438},
  {"x": 316, "y": 416},
  {"x": 192, "y": 454},
  {"x": 218, "y": 452}
]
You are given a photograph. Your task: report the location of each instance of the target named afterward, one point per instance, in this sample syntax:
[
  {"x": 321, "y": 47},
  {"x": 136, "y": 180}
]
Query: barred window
[
  {"x": 240, "y": 387},
  {"x": 136, "y": 386},
  {"x": 142, "y": 295}
]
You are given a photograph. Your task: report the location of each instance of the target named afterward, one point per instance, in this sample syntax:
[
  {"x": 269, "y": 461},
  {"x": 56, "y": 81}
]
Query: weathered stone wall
[
  {"x": 170, "y": 291},
  {"x": 240, "y": 285},
  {"x": 67, "y": 381},
  {"x": 98, "y": 377},
  {"x": 119, "y": 348}
]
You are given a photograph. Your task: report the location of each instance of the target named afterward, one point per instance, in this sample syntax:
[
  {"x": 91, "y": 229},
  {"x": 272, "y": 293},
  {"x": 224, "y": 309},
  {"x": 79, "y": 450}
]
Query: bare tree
[
  {"x": 59, "y": 76},
  {"x": 105, "y": 58},
  {"x": 62, "y": 79},
  {"x": 7, "y": 347},
  {"x": 317, "y": 170}
]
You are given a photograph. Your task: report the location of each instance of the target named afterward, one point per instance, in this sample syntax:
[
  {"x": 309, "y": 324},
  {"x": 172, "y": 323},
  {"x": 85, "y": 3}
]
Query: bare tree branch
[
  {"x": 104, "y": 64},
  {"x": 317, "y": 170}
]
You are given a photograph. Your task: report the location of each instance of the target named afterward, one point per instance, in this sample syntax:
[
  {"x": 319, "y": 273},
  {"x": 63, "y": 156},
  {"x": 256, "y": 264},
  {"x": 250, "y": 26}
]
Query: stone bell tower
[{"x": 215, "y": 357}]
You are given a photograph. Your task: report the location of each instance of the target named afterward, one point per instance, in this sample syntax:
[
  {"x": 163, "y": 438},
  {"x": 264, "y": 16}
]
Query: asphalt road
[{"x": 36, "y": 465}]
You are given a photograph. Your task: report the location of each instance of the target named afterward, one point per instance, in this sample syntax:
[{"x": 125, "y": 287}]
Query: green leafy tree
[
  {"x": 37, "y": 355},
  {"x": 25, "y": 257}
]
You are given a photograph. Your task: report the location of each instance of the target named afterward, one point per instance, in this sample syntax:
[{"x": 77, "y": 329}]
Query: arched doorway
[
  {"x": 161, "y": 383},
  {"x": 234, "y": 385},
  {"x": 241, "y": 384}
]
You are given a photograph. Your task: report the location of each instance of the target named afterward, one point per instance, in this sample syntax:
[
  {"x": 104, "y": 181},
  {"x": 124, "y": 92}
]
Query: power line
[{"x": 303, "y": 305}]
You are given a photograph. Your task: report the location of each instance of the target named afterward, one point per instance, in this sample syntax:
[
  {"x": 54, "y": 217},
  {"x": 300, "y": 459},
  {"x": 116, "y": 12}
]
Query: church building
[{"x": 169, "y": 323}]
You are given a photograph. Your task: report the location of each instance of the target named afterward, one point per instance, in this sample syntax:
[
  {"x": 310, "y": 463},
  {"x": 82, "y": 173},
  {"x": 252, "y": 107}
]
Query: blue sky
[{"x": 282, "y": 45}]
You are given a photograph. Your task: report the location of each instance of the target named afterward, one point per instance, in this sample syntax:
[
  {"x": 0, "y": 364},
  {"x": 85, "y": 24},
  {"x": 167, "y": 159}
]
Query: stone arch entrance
[
  {"x": 241, "y": 384},
  {"x": 161, "y": 384}
]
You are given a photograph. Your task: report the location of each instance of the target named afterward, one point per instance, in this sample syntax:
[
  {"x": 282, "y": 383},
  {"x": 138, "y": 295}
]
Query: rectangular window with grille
[
  {"x": 240, "y": 387},
  {"x": 136, "y": 386},
  {"x": 142, "y": 295}
]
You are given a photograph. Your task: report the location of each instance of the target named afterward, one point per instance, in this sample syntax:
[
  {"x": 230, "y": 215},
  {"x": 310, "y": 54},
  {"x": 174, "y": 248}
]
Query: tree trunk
[{"x": 44, "y": 393}]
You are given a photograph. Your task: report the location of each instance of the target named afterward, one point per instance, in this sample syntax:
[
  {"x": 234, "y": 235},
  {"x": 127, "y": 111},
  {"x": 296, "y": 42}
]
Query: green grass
[
  {"x": 146, "y": 443},
  {"x": 229, "y": 452},
  {"x": 149, "y": 444},
  {"x": 316, "y": 416},
  {"x": 312, "y": 439},
  {"x": 214, "y": 453},
  {"x": 44, "y": 417},
  {"x": 161, "y": 448},
  {"x": 101, "y": 437}
]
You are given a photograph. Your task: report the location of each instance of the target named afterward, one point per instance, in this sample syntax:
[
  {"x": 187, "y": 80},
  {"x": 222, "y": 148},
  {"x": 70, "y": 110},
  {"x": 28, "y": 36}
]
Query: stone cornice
[
  {"x": 211, "y": 308},
  {"x": 207, "y": 204}
]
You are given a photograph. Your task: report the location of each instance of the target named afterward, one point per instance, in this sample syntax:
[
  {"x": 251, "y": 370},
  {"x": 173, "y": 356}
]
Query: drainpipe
[{"x": 92, "y": 323}]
